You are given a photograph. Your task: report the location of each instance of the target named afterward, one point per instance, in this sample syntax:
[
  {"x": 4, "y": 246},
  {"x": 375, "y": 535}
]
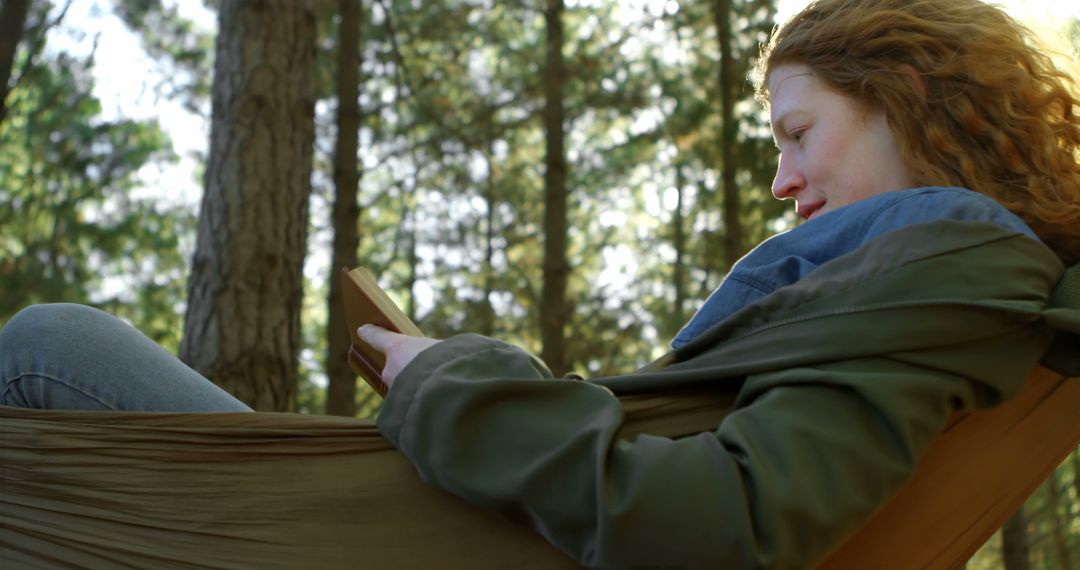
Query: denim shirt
[{"x": 787, "y": 257}]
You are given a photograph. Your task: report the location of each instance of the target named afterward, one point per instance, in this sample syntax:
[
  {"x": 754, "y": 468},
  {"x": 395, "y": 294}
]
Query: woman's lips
[{"x": 809, "y": 210}]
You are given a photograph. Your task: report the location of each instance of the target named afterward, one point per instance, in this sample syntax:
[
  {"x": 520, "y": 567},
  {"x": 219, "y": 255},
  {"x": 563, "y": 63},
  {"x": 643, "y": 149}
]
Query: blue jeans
[{"x": 73, "y": 357}]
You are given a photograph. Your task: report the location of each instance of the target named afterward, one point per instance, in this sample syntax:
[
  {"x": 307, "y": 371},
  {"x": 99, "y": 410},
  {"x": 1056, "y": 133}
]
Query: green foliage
[
  {"x": 71, "y": 229},
  {"x": 311, "y": 392},
  {"x": 171, "y": 39},
  {"x": 467, "y": 93}
]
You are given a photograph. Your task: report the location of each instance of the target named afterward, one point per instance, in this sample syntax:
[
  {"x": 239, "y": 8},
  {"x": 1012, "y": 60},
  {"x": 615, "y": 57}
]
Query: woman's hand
[{"x": 399, "y": 349}]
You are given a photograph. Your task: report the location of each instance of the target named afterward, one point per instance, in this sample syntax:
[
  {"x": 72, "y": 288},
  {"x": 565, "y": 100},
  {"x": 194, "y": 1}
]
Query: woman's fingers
[
  {"x": 379, "y": 338},
  {"x": 399, "y": 349}
]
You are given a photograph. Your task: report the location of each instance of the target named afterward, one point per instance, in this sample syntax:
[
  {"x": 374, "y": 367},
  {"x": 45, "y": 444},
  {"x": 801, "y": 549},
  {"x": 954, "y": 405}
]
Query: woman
[
  {"x": 938, "y": 121},
  {"x": 845, "y": 342}
]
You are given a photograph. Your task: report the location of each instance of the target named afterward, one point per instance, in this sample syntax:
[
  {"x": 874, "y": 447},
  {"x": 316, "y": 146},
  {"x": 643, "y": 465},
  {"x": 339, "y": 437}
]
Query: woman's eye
[{"x": 797, "y": 136}]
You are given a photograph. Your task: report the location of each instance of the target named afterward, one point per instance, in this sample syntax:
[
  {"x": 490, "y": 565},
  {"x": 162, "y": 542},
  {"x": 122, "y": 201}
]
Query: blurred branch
[
  {"x": 464, "y": 132},
  {"x": 34, "y": 37},
  {"x": 402, "y": 74},
  {"x": 12, "y": 21},
  {"x": 179, "y": 42}
]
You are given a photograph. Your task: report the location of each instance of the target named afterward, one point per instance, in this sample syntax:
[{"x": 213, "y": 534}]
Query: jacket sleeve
[{"x": 806, "y": 457}]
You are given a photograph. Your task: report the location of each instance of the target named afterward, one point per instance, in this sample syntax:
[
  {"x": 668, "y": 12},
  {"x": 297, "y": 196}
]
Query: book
[{"x": 367, "y": 303}]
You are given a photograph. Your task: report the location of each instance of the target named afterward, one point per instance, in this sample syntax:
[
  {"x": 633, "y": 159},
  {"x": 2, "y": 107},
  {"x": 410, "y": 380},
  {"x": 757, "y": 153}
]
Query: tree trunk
[
  {"x": 242, "y": 327},
  {"x": 341, "y": 389},
  {"x": 678, "y": 241},
  {"x": 412, "y": 255},
  {"x": 1059, "y": 522},
  {"x": 1014, "y": 542},
  {"x": 553, "y": 306},
  {"x": 487, "y": 316},
  {"x": 1074, "y": 457},
  {"x": 12, "y": 23},
  {"x": 733, "y": 240}
]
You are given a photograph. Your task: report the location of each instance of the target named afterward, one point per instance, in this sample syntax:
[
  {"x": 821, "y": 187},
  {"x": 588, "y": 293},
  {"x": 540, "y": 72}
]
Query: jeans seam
[{"x": 9, "y": 382}]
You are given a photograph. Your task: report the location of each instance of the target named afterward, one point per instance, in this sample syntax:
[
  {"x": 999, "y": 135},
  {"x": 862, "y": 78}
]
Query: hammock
[{"x": 266, "y": 490}]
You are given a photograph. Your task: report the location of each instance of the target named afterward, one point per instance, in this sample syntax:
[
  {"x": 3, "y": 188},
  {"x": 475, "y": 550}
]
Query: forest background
[{"x": 571, "y": 176}]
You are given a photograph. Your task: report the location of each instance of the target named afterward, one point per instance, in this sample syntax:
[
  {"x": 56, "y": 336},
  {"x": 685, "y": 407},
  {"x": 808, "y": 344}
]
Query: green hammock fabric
[
  {"x": 290, "y": 491},
  {"x": 263, "y": 490}
]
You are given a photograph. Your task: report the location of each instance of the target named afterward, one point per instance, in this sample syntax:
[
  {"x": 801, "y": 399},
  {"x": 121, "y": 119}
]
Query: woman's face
[{"x": 833, "y": 152}]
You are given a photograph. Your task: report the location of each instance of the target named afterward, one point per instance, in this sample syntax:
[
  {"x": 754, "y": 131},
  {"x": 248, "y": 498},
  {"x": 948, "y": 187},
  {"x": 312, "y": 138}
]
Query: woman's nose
[{"x": 789, "y": 179}]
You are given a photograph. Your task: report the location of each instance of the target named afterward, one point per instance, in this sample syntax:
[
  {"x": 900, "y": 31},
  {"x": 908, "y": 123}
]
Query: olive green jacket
[{"x": 838, "y": 382}]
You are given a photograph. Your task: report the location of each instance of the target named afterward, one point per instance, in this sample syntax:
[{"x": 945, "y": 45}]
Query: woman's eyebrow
[{"x": 778, "y": 125}]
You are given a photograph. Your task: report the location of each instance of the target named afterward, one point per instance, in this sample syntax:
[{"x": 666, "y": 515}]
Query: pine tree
[{"x": 242, "y": 326}]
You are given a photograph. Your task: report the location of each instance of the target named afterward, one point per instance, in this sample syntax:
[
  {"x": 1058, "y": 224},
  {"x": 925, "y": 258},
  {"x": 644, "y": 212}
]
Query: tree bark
[
  {"x": 413, "y": 257},
  {"x": 553, "y": 306},
  {"x": 678, "y": 241},
  {"x": 341, "y": 388},
  {"x": 733, "y": 240},
  {"x": 1074, "y": 457},
  {"x": 242, "y": 326},
  {"x": 1059, "y": 522},
  {"x": 487, "y": 316},
  {"x": 13, "y": 16},
  {"x": 1014, "y": 542}
]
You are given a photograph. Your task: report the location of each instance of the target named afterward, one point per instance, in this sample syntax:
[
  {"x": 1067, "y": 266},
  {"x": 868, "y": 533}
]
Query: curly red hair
[{"x": 973, "y": 102}]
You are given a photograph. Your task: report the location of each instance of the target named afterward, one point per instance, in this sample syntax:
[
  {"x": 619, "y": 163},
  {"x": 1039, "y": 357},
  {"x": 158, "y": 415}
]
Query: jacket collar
[{"x": 918, "y": 289}]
